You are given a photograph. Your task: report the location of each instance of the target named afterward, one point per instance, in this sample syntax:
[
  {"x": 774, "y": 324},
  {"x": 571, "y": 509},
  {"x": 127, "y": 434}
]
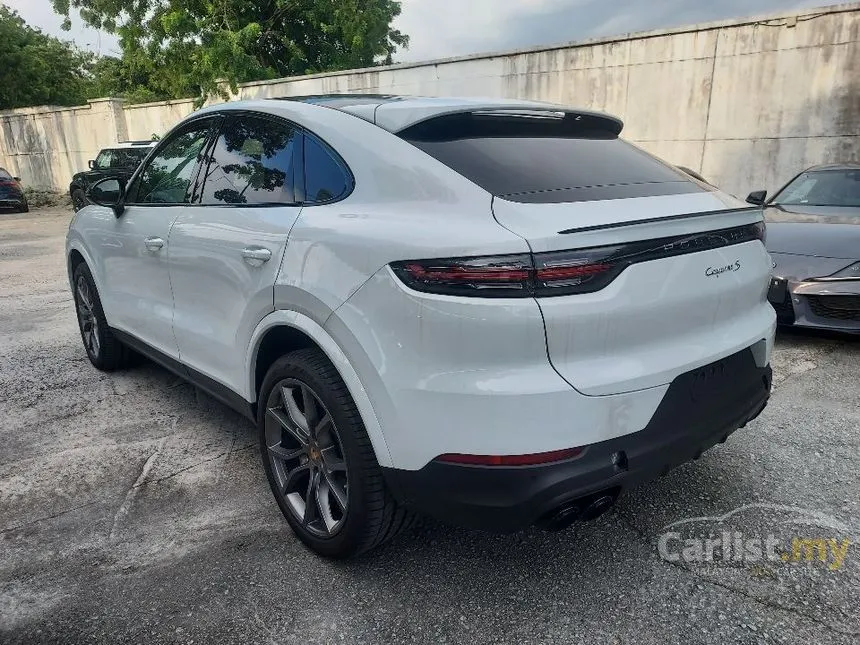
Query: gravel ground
[{"x": 134, "y": 509}]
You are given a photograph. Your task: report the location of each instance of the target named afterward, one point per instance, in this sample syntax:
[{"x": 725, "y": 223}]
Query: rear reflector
[
  {"x": 512, "y": 460},
  {"x": 557, "y": 273}
]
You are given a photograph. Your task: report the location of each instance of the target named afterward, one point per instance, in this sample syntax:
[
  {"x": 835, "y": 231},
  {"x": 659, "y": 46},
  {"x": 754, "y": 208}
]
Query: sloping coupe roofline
[{"x": 396, "y": 113}]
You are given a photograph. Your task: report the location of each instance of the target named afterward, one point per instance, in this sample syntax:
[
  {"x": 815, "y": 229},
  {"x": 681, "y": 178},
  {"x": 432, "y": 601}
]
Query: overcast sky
[{"x": 442, "y": 28}]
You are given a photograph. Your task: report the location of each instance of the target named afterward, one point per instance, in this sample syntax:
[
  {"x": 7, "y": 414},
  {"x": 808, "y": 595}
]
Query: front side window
[
  {"x": 129, "y": 157},
  {"x": 253, "y": 162},
  {"x": 822, "y": 188},
  {"x": 168, "y": 175},
  {"x": 104, "y": 160}
]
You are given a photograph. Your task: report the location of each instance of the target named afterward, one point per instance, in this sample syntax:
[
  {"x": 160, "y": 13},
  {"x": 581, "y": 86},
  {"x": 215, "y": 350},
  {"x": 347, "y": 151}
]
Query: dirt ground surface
[{"x": 134, "y": 509}]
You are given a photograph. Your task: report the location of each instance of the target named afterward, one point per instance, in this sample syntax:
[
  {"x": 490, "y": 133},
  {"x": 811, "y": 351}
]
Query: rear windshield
[{"x": 546, "y": 160}]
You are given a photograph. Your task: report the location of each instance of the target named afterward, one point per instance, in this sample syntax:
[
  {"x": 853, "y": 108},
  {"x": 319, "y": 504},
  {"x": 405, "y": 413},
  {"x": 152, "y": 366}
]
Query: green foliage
[
  {"x": 109, "y": 76},
  {"x": 183, "y": 48},
  {"x": 36, "y": 69}
]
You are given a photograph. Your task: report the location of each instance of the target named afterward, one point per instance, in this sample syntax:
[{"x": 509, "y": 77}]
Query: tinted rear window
[
  {"x": 527, "y": 159},
  {"x": 326, "y": 180}
]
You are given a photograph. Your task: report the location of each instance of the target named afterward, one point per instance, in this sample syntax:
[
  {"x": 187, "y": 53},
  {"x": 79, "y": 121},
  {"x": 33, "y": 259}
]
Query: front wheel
[
  {"x": 319, "y": 460},
  {"x": 104, "y": 350}
]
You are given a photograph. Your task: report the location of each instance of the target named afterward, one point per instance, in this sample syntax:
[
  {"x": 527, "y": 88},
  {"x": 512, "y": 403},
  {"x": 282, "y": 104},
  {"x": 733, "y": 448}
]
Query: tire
[
  {"x": 24, "y": 208},
  {"x": 106, "y": 353},
  {"x": 370, "y": 515},
  {"x": 79, "y": 199}
]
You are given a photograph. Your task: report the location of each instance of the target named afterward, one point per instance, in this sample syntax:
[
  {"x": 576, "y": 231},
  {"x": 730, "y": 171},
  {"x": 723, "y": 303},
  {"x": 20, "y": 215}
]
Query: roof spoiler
[{"x": 528, "y": 120}]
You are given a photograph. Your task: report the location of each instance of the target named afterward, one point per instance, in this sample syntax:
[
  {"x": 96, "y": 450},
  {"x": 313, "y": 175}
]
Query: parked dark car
[
  {"x": 813, "y": 235},
  {"x": 119, "y": 161},
  {"x": 11, "y": 193}
]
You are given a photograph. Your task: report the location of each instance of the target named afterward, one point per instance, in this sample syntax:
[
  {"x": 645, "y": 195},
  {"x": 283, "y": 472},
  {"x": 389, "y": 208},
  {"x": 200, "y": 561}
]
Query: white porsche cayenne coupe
[{"x": 495, "y": 312}]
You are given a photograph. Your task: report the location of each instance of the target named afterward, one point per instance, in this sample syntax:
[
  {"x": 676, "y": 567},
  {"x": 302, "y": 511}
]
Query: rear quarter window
[
  {"x": 546, "y": 160},
  {"x": 326, "y": 177}
]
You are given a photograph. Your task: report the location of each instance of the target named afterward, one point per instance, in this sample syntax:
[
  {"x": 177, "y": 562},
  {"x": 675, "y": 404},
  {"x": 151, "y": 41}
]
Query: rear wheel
[
  {"x": 104, "y": 350},
  {"x": 79, "y": 199},
  {"x": 319, "y": 460},
  {"x": 24, "y": 207}
]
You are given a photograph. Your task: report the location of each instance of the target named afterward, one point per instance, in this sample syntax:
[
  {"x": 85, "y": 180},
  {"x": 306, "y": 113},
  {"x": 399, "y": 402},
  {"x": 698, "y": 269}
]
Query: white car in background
[{"x": 493, "y": 311}]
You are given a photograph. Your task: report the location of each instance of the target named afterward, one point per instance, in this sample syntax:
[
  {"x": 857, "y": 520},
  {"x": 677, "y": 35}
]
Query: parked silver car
[{"x": 813, "y": 235}]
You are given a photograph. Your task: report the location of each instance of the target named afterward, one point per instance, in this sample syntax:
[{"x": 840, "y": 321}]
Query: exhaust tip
[
  {"x": 582, "y": 510},
  {"x": 597, "y": 508},
  {"x": 562, "y": 517}
]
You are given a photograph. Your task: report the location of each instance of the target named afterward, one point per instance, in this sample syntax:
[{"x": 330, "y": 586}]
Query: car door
[
  {"x": 226, "y": 250},
  {"x": 137, "y": 294}
]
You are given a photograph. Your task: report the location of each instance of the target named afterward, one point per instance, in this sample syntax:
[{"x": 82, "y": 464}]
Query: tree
[
  {"x": 36, "y": 69},
  {"x": 111, "y": 76},
  {"x": 186, "y": 47}
]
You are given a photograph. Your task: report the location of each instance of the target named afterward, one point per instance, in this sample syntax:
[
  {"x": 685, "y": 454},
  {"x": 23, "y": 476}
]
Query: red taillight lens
[
  {"x": 557, "y": 273},
  {"x": 512, "y": 460},
  {"x": 580, "y": 271},
  {"x": 506, "y": 276}
]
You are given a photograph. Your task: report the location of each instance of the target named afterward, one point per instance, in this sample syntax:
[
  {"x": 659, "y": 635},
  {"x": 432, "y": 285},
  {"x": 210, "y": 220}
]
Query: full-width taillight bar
[{"x": 556, "y": 273}]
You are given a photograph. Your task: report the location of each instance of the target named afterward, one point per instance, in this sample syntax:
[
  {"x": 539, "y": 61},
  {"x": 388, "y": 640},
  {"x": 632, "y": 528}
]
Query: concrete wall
[{"x": 747, "y": 103}]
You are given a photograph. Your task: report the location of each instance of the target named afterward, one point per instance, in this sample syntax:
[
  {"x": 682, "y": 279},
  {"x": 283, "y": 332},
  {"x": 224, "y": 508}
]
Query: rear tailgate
[
  {"x": 647, "y": 273},
  {"x": 661, "y": 317}
]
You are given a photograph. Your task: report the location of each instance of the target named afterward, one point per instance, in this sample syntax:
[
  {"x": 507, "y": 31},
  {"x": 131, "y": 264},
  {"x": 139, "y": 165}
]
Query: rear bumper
[
  {"x": 700, "y": 408},
  {"x": 12, "y": 202}
]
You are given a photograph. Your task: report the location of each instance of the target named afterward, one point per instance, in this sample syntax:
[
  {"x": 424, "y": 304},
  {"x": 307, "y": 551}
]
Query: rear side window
[
  {"x": 253, "y": 162},
  {"x": 545, "y": 159},
  {"x": 326, "y": 178}
]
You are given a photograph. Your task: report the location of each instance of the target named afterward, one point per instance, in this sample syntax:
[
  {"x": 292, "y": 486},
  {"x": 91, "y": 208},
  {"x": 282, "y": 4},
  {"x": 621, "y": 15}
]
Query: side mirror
[
  {"x": 757, "y": 197},
  {"x": 91, "y": 163},
  {"x": 108, "y": 192},
  {"x": 18, "y": 179}
]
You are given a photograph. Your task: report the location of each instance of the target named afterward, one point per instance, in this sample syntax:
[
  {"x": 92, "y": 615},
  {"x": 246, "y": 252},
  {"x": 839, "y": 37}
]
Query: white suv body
[{"x": 518, "y": 348}]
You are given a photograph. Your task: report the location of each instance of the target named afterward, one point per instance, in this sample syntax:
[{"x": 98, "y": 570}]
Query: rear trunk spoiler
[{"x": 652, "y": 220}]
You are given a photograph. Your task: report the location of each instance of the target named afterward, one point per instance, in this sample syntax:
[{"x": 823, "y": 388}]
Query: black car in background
[
  {"x": 119, "y": 161},
  {"x": 11, "y": 193}
]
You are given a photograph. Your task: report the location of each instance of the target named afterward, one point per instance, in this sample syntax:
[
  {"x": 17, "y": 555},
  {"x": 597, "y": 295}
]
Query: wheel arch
[
  {"x": 283, "y": 331},
  {"x": 77, "y": 254}
]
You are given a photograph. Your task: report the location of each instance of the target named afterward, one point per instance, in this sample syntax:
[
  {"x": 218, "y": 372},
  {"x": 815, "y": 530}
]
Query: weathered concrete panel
[
  {"x": 752, "y": 164},
  {"x": 144, "y": 121},
  {"x": 813, "y": 91},
  {"x": 651, "y": 115}
]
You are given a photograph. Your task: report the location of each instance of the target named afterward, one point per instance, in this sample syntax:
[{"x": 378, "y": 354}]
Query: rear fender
[{"x": 339, "y": 360}]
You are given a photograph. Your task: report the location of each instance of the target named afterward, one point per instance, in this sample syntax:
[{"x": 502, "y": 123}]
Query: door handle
[
  {"x": 153, "y": 243},
  {"x": 256, "y": 255}
]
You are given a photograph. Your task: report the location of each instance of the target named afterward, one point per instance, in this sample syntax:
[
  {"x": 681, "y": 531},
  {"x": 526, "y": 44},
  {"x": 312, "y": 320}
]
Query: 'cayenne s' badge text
[{"x": 717, "y": 271}]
